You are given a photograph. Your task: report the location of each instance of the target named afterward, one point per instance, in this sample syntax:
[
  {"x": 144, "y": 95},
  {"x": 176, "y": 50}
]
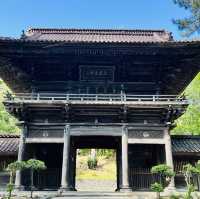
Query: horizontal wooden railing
[{"x": 93, "y": 97}]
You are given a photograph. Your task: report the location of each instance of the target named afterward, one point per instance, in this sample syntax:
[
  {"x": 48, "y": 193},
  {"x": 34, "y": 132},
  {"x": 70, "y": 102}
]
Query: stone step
[
  {"x": 89, "y": 195},
  {"x": 108, "y": 195}
]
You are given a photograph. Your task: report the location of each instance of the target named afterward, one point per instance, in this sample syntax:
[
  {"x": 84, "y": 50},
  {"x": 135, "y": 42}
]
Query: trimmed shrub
[{"x": 92, "y": 163}]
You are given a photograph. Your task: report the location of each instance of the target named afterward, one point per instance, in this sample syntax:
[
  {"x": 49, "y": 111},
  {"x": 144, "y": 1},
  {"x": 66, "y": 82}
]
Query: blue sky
[{"x": 16, "y": 15}]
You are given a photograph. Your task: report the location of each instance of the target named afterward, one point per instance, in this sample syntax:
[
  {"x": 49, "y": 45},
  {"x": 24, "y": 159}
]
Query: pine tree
[{"x": 190, "y": 24}]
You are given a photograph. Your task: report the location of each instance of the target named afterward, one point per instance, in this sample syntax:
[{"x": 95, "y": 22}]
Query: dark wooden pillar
[
  {"x": 169, "y": 157},
  {"x": 118, "y": 166},
  {"x": 21, "y": 150},
  {"x": 73, "y": 166},
  {"x": 65, "y": 181},
  {"x": 125, "y": 179}
]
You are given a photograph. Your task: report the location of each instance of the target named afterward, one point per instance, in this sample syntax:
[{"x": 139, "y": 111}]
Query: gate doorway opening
[
  {"x": 96, "y": 170},
  {"x": 97, "y": 164}
]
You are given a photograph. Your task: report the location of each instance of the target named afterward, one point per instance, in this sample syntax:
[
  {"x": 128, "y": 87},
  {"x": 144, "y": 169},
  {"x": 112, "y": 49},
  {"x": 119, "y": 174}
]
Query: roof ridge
[
  {"x": 185, "y": 136},
  {"x": 96, "y": 30},
  {"x": 9, "y": 136},
  {"x": 97, "y": 35}
]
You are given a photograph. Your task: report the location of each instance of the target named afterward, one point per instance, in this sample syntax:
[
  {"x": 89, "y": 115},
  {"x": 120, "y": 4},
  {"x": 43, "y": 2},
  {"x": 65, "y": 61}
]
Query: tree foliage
[
  {"x": 188, "y": 172},
  {"x": 7, "y": 122},
  {"x": 34, "y": 165},
  {"x": 92, "y": 163},
  {"x": 189, "y": 123},
  {"x": 191, "y": 23},
  {"x": 166, "y": 173},
  {"x": 163, "y": 170},
  {"x": 158, "y": 188},
  {"x": 12, "y": 168}
]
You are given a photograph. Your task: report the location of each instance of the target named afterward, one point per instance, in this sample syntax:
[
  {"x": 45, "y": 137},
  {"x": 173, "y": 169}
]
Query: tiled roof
[
  {"x": 5, "y": 38},
  {"x": 9, "y": 144},
  {"x": 186, "y": 144},
  {"x": 97, "y": 35},
  {"x": 180, "y": 144}
]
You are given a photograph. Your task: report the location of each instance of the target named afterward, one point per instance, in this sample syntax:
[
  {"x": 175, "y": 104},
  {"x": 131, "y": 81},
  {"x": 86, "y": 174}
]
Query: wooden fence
[{"x": 142, "y": 178}]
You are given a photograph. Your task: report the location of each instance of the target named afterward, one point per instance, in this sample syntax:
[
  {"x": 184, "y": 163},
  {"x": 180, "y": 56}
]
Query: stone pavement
[
  {"x": 96, "y": 185},
  {"x": 89, "y": 189}
]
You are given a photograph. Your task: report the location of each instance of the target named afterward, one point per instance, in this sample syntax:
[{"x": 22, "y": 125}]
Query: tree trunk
[
  {"x": 31, "y": 183},
  {"x": 158, "y": 195},
  {"x": 92, "y": 160},
  {"x": 11, "y": 177},
  {"x": 10, "y": 184},
  {"x": 93, "y": 154}
]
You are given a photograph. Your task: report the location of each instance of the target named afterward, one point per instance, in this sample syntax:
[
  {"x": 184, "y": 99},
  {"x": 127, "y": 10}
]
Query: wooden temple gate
[
  {"x": 144, "y": 144},
  {"x": 119, "y": 84}
]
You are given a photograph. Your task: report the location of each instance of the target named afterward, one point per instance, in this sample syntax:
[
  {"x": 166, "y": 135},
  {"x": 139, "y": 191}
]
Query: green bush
[
  {"x": 92, "y": 163},
  {"x": 84, "y": 152},
  {"x": 176, "y": 196},
  {"x": 108, "y": 153},
  {"x": 9, "y": 189},
  {"x": 157, "y": 187},
  {"x": 13, "y": 168},
  {"x": 166, "y": 173},
  {"x": 34, "y": 165},
  {"x": 190, "y": 190},
  {"x": 100, "y": 152},
  {"x": 188, "y": 172},
  {"x": 163, "y": 169}
]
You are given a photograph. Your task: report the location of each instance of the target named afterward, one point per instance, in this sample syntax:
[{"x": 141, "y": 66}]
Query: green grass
[{"x": 106, "y": 169}]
